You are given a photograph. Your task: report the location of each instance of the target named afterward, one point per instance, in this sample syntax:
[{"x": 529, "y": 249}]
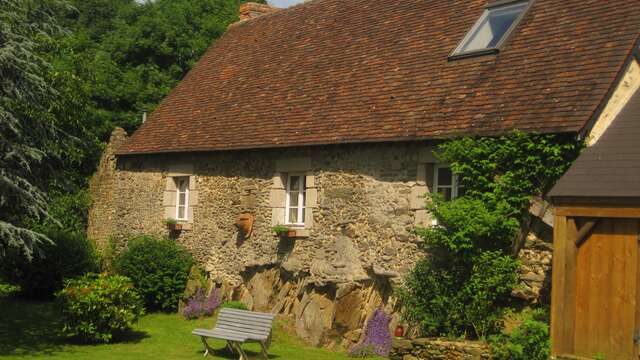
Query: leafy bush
[
  {"x": 463, "y": 287},
  {"x": 199, "y": 305},
  {"x": 377, "y": 338},
  {"x": 528, "y": 341},
  {"x": 8, "y": 290},
  {"x": 70, "y": 255},
  {"x": 234, "y": 305},
  {"x": 159, "y": 269},
  {"x": 98, "y": 307}
]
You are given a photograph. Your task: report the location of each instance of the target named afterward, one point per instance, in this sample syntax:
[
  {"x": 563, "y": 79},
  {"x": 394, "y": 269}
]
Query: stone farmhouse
[{"x": 323, "y": 117}]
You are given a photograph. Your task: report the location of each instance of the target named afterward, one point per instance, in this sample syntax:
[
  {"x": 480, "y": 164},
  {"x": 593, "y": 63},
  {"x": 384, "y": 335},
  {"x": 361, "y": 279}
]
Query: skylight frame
[{"x": 456, "y": 54}]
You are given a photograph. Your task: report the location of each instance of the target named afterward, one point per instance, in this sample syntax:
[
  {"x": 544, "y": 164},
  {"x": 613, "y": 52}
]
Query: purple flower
[
  {"x": 211, "y": 303},
  {"x": 377, "y": 338},
  {"x": 193, "y": 310},
  {"x": 198, "y": 305}
]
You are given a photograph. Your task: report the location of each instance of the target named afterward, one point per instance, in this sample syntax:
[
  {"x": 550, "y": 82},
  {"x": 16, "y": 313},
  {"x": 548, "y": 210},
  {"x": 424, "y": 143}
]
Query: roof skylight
[{"x": 491, "y": 30}]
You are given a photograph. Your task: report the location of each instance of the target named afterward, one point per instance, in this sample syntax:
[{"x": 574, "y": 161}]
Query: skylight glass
[{"x": 492, "y": 27}]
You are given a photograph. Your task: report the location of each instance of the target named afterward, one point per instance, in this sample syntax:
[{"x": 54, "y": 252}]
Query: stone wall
[
  {"x": 364, "y": 201},
  {"x": 358, "y": 246},
  {"x": 103, "y": 186},
  {"x": 438, "y": 349}
]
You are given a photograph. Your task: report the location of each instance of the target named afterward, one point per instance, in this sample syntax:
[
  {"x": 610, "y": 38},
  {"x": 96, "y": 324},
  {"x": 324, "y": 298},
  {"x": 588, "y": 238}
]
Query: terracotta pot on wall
[
  {"x": 244, "y": 224},
  {"x": 175, "y": 227},
  {"x": 399, "y": 331}
]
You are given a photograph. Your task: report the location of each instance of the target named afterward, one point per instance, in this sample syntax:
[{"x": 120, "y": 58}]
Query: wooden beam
[
  {"x": 584, "y": 232},
  {"x": 595, "y": 211}
]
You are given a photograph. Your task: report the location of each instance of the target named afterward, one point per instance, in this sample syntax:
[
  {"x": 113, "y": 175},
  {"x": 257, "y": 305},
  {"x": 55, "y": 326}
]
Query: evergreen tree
[{"x": 25, "y": 130}]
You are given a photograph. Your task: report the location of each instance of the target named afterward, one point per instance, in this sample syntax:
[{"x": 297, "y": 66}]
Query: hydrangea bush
[
  {"x": 377, "y": 338},
  {"x": 199, "y": 305}
]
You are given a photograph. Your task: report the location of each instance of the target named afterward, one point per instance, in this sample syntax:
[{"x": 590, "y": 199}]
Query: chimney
[{"x": 251, "y": 10}]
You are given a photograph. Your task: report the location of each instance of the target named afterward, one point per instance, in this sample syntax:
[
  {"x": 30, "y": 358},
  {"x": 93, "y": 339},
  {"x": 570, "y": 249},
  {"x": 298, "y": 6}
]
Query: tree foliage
[
  {"x": 63, "y": 91},
  {"x": 463, "y": 286},
  {"x": 25, "y": 131}
]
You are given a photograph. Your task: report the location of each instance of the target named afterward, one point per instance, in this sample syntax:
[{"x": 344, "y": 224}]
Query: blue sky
[{"x": 284, "y": 3}]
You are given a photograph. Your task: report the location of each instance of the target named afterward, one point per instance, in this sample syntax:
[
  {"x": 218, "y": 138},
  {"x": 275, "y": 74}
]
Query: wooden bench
[{"x": 238, "y": 327}]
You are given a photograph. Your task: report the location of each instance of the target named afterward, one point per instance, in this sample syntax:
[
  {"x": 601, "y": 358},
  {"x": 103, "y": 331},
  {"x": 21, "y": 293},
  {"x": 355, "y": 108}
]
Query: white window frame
[
  {"x": 455, "y": 184},
  {"x": 301, "y": 200},
  {"x": 458, "y": 53},
  {"x": 177, "y": 180}
]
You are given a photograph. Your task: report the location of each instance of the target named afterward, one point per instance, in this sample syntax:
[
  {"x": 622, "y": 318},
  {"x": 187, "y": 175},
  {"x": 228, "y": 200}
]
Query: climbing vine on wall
[{"x": 463, "y": 286}]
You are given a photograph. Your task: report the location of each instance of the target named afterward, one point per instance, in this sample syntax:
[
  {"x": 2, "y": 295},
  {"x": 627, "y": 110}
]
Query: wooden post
[{"x": 563, "y": 285}]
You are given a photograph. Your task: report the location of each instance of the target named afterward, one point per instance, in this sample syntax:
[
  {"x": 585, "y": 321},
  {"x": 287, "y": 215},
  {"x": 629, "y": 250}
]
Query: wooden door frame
[{"x": 567, "y": 238}]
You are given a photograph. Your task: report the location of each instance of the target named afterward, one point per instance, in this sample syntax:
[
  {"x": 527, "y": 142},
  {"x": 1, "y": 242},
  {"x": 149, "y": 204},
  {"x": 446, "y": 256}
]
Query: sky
[{"x": 283, "y": 3}]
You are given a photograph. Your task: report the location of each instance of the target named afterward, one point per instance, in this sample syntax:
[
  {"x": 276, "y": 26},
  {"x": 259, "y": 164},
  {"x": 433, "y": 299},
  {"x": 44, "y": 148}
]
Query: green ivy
[{"x": 463, "y": 287}]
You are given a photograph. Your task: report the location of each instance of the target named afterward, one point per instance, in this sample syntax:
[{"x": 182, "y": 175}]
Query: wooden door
[{"x": 606, "y": 296}]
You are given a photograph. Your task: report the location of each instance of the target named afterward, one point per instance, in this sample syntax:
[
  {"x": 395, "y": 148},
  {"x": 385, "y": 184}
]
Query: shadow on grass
[
  {"x": 29, "y": 328},
  {"x": 33, "y": 328}
]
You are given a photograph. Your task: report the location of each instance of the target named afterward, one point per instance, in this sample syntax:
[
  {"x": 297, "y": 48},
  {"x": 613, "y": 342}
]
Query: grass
[{"x": 31, "y": 330}]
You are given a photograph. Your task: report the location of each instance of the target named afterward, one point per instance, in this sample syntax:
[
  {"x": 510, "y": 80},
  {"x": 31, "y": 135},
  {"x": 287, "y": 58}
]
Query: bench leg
[
  {"x": 263, "y": 347},
  {"x": 207, "y": 349},
  {"x": 243, "y": 355}
]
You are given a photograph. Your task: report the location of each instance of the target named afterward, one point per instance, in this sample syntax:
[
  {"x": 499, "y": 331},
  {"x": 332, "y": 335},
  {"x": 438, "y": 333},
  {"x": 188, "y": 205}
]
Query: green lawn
[{"x": 32, "y": 330}]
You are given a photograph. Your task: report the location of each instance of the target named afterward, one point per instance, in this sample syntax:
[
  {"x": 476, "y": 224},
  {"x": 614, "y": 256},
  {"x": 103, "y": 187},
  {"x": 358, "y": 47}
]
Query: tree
[{"x": 25, "y": 130}]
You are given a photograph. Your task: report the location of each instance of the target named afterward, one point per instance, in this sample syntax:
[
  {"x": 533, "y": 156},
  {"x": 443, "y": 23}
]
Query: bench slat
[
  {"x": 247, "y": 331},
  {"x": 228, "y": 320},
  {"x": 240, "y": 326},
  {"x": 245, "y": 326},
  {"x": 248, "y": 313},
  {"x": 244, "y": 318},
  {"x": 221, "y": 334}
]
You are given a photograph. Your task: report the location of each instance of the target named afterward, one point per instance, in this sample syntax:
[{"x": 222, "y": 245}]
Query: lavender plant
[
  {"x": 193, "y": 310},
  {"x": 377, "y": 338},
  {"x": 211, "y": 303},
  {"x": 199, "y": 305}
]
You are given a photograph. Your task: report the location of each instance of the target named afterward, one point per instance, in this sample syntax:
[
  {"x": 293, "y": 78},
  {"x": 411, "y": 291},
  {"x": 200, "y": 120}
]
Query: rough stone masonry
[{"x": 363, "y": 201}]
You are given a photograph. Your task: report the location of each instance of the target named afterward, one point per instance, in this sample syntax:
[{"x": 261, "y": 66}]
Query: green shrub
[
  {"x": 96, "y": 308},
  {"x": 234, "y": 305},
  {"x": 463, "y": 287},
  {"x": 8, "y": 290},
  {"x": 159, "y": 268},
  {"x": 528, "y": 341},
  {"x": 71, "y": 255}
]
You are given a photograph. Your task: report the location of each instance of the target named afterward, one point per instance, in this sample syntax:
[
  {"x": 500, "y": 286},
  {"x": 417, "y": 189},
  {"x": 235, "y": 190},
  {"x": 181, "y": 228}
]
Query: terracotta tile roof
[
  {"x": 611, "y": 167},
  {"x": 332, "y": 71}
]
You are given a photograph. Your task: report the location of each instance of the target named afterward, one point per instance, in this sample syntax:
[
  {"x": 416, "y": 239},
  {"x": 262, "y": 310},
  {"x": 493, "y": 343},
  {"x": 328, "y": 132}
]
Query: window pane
[
  {"x": 181, "y": 212},
  {"x": 445, "y": 192},
  {"x": 294, "y": 182},
  {"x": 492, "y": 27},
  {"x": 293, "y": 215},
  {"x": 293, "y": 199},
  {"x": 182, "y": 183},
  {"x": 444, "y": 177},
  {"x": 303, "y": 216},
  {"x": 182, "y": 198}
]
